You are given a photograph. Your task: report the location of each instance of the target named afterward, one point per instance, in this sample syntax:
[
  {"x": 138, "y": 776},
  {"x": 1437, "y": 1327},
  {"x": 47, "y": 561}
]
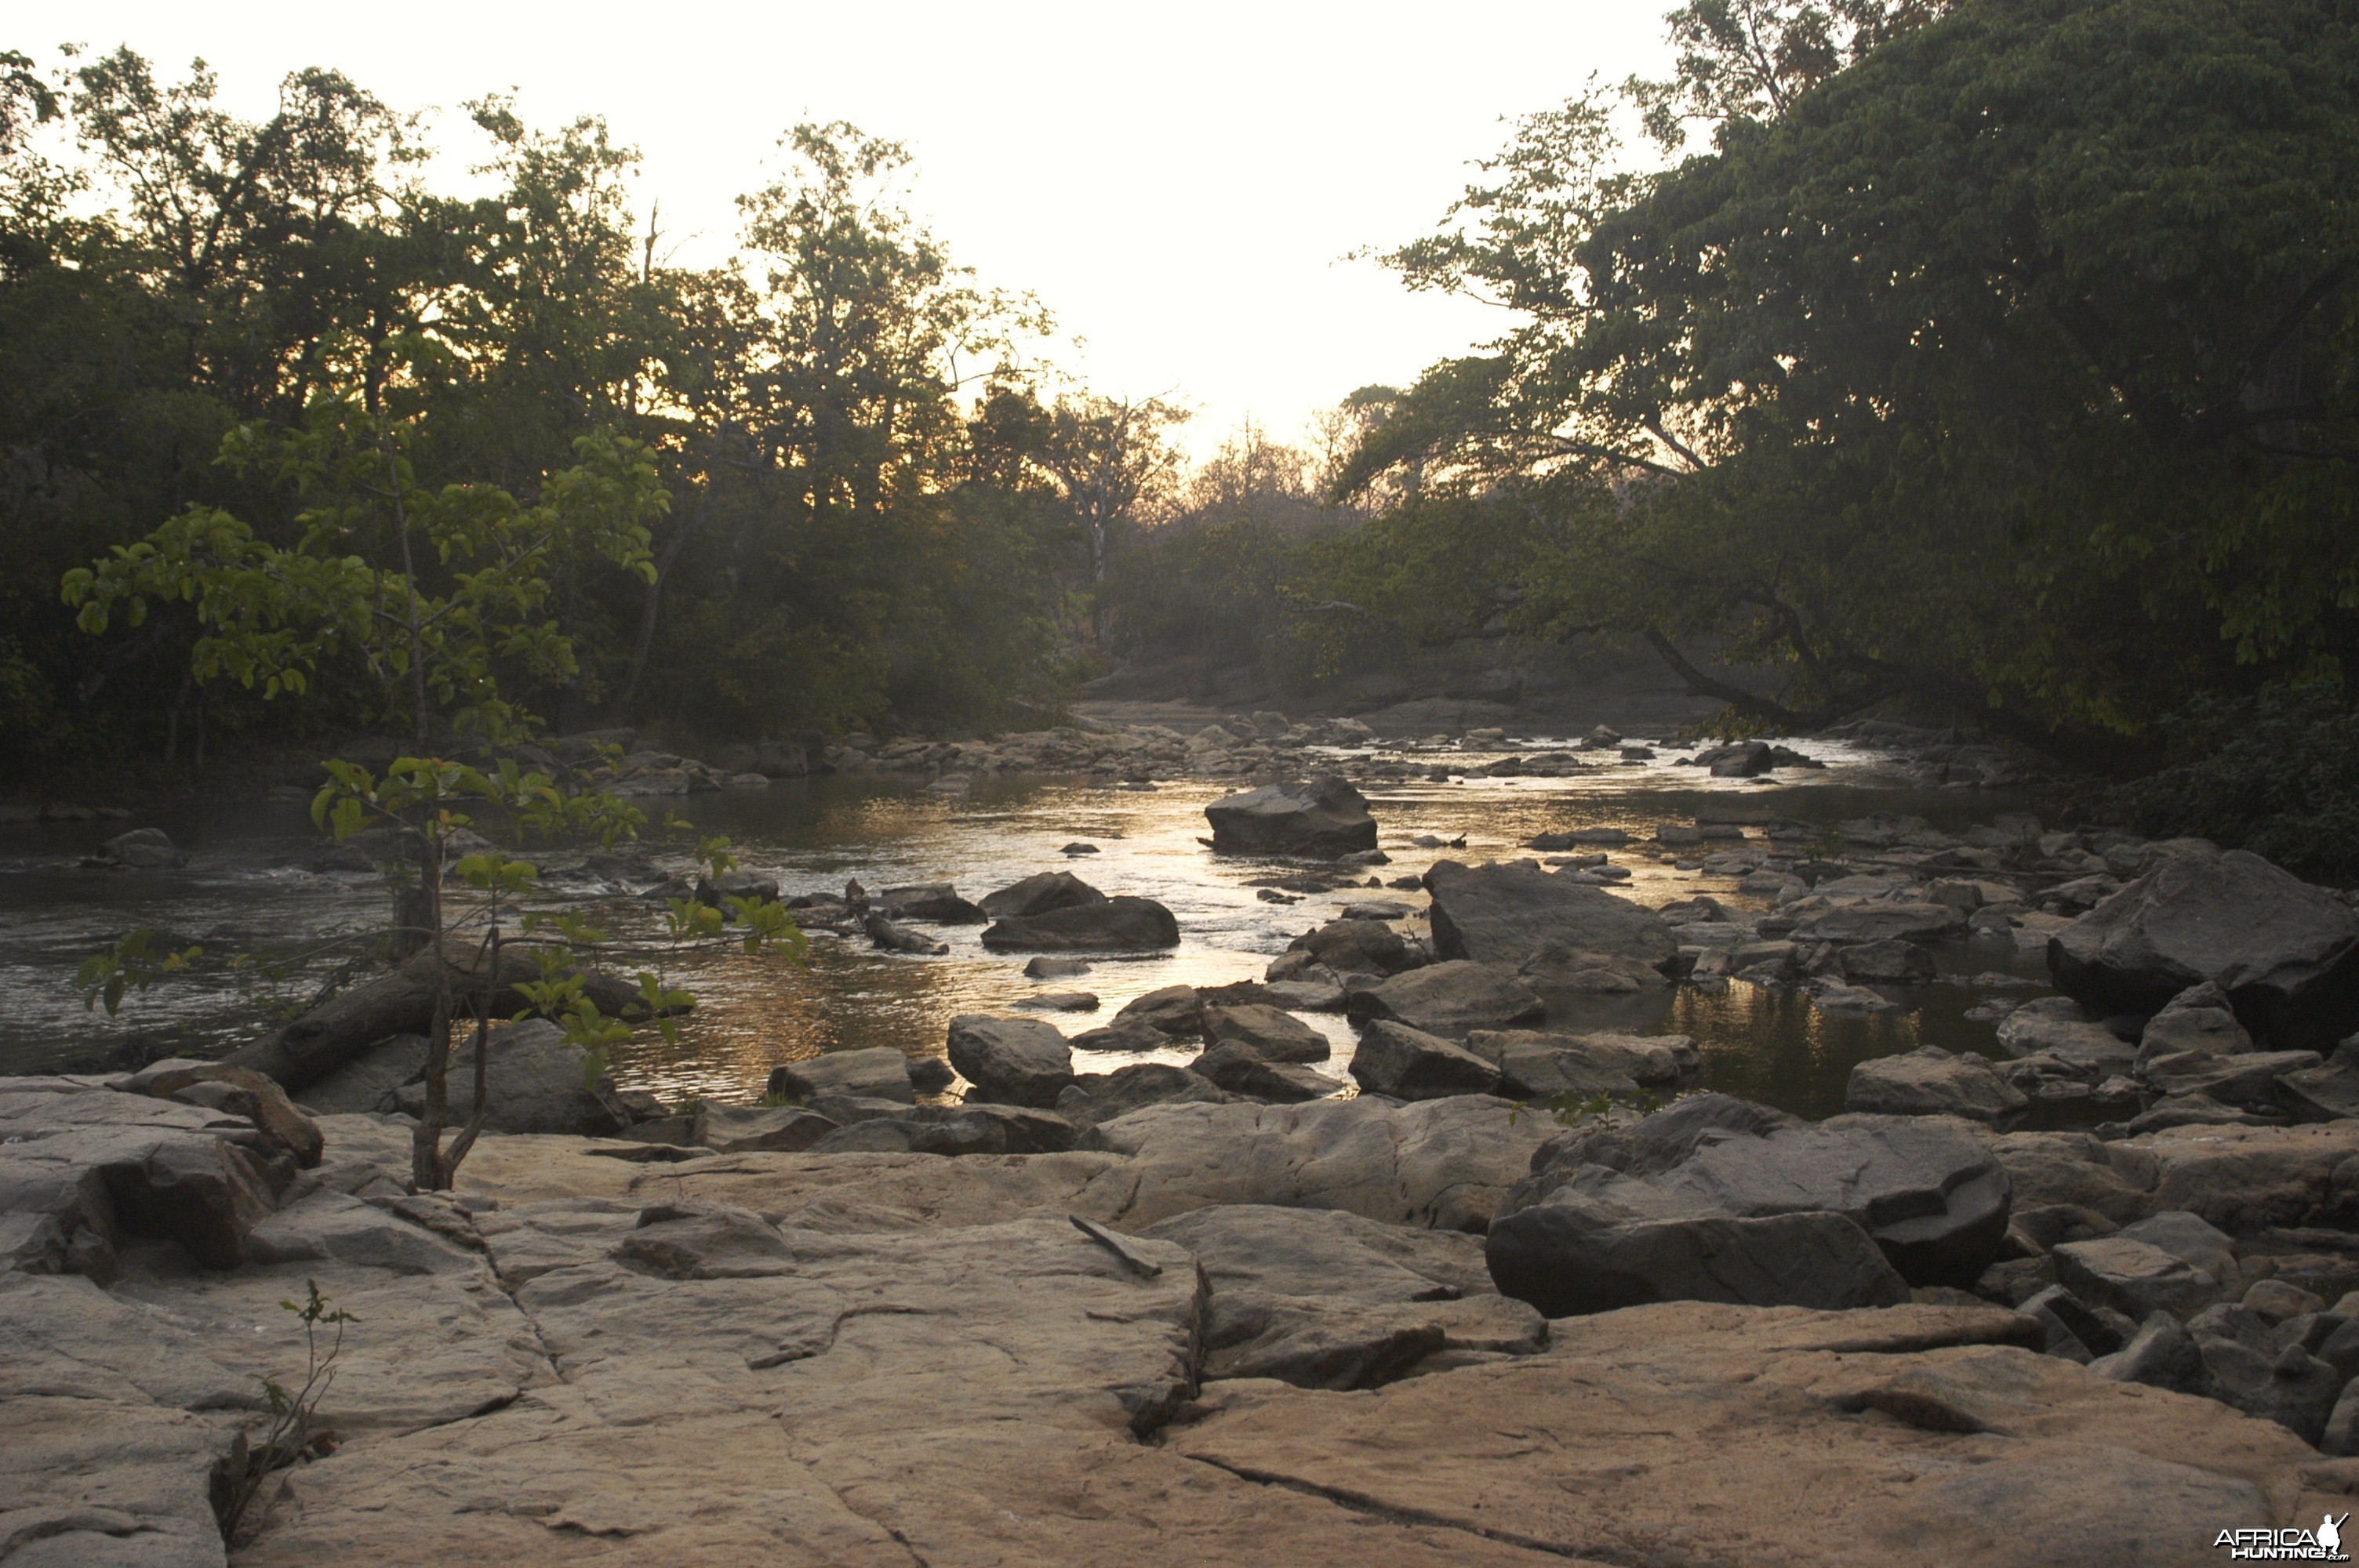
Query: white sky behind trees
[{"x": 1180, "y": 184}]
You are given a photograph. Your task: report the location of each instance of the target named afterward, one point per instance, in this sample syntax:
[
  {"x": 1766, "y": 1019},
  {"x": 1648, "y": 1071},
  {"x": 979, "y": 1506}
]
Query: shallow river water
[{"x": 243, "y": 891}]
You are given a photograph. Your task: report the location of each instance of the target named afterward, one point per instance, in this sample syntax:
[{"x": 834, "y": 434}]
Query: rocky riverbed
[{"x": 1412, "y": 1246}]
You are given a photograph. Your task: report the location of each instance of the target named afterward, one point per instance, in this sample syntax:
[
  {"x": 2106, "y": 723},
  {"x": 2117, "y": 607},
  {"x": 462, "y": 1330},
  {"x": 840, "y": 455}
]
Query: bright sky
[{"x": 1180, "y": 184}]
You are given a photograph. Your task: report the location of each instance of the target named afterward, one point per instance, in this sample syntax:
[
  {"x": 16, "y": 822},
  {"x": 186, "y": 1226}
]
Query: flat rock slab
[
  {"x": 963, "y": 1395},
  {"x": 1451, "y": 1000},
  {"x": 1504, "y": 913},
  {"x": 1711, "y": 1434},
  {"x": 1443, "y": 1164},
  {"x": 1323, "y": 1299},
  {"x": 1933, "y": 1082}
]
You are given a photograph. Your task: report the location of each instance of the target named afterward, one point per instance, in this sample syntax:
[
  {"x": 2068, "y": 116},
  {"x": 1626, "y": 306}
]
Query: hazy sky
[{"x": 1180, "y": 184}]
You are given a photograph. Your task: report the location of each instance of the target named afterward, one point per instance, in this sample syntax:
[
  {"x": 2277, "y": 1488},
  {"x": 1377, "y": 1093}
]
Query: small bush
[{"x": 2276, "y": 773}]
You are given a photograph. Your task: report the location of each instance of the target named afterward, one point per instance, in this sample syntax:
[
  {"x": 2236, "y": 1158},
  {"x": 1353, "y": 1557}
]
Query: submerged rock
[{"x": 1108, "y": 926}]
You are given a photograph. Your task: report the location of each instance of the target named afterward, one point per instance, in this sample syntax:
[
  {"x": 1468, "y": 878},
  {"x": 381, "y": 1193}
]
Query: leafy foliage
[
  {"x": 2276, "y": 773},
  {"x": 2002, "y": 365}
]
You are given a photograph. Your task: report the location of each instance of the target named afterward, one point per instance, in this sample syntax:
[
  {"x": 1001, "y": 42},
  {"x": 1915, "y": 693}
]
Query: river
[{"x": 243, "y": 891}]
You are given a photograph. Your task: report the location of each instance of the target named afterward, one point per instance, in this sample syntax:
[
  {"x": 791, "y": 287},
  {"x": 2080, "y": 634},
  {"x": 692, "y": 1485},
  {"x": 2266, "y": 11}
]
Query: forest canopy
[
  {"x": 1994, "y": 360},
  {"x": 869, "y": 499},
  {"x": 1984, "y": 361}
]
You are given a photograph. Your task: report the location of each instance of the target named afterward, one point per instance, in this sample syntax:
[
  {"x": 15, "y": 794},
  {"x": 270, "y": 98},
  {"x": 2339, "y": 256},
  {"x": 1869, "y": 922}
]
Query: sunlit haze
[{"x": 1181, "y": 185}]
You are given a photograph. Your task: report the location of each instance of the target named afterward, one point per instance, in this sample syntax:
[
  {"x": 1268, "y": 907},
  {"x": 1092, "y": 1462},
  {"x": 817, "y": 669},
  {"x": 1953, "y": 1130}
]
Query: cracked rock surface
[{"x": 1274, "y": 1340}]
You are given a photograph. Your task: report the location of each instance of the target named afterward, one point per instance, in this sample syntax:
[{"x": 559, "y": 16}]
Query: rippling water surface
[{"x": 242, "y": 892}]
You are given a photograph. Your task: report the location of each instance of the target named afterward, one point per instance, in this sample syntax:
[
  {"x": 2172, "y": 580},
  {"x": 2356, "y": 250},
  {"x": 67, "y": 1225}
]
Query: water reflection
[{"x": 242, "y": 890}]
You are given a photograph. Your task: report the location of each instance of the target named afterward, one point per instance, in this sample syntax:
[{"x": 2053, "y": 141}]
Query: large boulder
[
  {"x": 1325, "y": 817},
  {"x": 2286, "y": 953},
  {"x": 1039, "y": 894},
  {"x": 1646, "y": 1210},
  {"x": 1930, "y": 1081},
  {"x": 1537, "y": 1066},
  {"x": 1270, "y": 1033},
  {"x": 83, "y": 1168},
  {"x": 1242, "y": 1070},
  {"x": 1504, "y": 913},
  {"x": 1015, "y": 1061},
  {"x": 1094, "y": 1097},
  {"x": 1108, "y": 926},
  {"x": 1356, "y": 947},
  {"x": 533, "y": 1084},
  {"x": 752, "y": 1129},
  {"x": 1449, "y": 999},
  {"x": 879, "y": 1072},
  {"x": 936, "y": 902},
  {"x": 1409, "y": 1064}
]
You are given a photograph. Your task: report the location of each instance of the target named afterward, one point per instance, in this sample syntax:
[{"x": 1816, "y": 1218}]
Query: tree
[
  {"x": 1111, "y": 458},
  {"x": 438, "y": 594},
  {"x": 2006, "y": 371}
]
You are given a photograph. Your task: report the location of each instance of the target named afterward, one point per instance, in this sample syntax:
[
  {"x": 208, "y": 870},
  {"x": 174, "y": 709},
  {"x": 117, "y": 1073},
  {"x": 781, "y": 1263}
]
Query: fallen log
[{"x": 401, "y": 1001}]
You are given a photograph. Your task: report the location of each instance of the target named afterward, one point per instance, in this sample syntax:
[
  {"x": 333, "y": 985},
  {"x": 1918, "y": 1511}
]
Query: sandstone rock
[
  {"x": 2286, "y": 953},
  {"x": 1887, "y": 963},
  {"x": 1325, "y": 1299},
  {"x": 746, "y": 1129},
  {"x": 1933, "y": 1200},
  {"x": 1357, "y": 946},
  {"x": 1325, "y": 817},
  {"x": 936, "y": 902},
  {"x": 2199, "y": 1018},
  {"x": 1930, "y": 1081},
  {"x": 1449, "y": 999},
  {"x": 1096, "y": 1098},
  {"x": 1503, "y": 914},
  {"x": 1536, "y": 1065},
  {"x": 1439, "y": 1163},
  {"x": 533, "y": 1085},
  {"x": 1171, "y": 1009},
  {"x": 1016, "y": 1061},
  {"x": 1109, "y": 925},
  {"x": 1270, "y": 1033},
  {"x": 1408, "y": 1064},
  {"x": 1048, "y": 969},
  {"x": 1040, "y": 895},
  {"x": 1242, "y": 1070},
  {"x": 367, "y": 1082},
  {"x": 879, "y": 1072},
  {"x": 1686, "y": 1433}
]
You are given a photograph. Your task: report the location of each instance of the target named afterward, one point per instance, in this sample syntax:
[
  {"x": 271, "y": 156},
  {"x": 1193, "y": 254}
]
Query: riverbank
[{"x": 1192, "y": 1281}]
